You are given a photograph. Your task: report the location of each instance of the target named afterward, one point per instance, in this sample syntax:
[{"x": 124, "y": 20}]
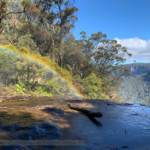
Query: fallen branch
[{"x": 87, "y": 112}]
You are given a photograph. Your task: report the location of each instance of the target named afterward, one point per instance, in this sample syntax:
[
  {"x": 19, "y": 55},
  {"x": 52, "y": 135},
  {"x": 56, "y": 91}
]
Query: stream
[{"x": 123, "y": 126}]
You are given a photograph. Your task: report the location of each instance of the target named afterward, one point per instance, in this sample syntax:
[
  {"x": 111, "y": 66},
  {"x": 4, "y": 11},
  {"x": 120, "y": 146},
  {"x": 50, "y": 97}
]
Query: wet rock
[
  {"x": 44, "y": 130},
  {"x": 13, "y": 128},
  {"x": 37, "y": 132},
  {"x": 124, "y": 147},
  {"x": 40, "y": 131},
  {"x": 12, "y": 148},
  {"x": 135, "y": 114},
  {"x": 127, "y": 104},
  {"x": 54, "y": 111}
]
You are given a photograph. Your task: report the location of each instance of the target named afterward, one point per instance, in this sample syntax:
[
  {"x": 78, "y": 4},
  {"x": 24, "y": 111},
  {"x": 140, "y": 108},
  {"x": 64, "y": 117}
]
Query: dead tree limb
[
  {"x": 86, "y": 112},
  {"x": 89, "y": 114}
]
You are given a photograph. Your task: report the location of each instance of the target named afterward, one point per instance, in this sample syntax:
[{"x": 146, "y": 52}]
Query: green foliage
[
  {"x": 24, "y": 50},
  {"x": 26, "y": 43},
  {"x": 41, "y": 30},
  {"x": 12, "y": 47},
  {"x": 20, "y": 87},
  {"x": 3, "y": 10},
  {"x": 93, "y": 87},
  {"x": 5, "y": 38},
  {"x": 39, "y": 90},
  {"x": 61, "y": 71},
  {"x": 54, "y": 87},
  {"x": 31, "y": 77}
]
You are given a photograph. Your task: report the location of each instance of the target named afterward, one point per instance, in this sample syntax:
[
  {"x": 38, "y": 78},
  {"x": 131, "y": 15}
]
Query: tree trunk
[
  {"x": 60, "y": 60},
  {"x": 28, "y": 77},
  {"x": 60, "y": 54}
]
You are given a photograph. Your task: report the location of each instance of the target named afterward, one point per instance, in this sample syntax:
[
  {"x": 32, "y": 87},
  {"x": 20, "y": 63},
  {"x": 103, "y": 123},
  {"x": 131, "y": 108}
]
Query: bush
[
  {"x": 24, "y": 50},
  {"x": 93, "y": 87},
  {"x": 20, "y": 88}
]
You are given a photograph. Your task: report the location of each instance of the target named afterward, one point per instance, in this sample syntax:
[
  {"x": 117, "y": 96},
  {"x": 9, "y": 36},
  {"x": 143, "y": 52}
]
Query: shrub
[{"x": 93, "y": 87}]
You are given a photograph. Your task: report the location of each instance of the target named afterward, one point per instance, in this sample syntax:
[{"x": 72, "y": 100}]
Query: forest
[
  {"x": 42, "y": 29},
  {"x": 135, "y": 88}
]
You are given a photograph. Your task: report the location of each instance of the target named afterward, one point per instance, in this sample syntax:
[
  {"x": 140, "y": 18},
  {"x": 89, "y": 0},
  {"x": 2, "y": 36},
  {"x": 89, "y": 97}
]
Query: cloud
[{"x": 139, "y": 48}]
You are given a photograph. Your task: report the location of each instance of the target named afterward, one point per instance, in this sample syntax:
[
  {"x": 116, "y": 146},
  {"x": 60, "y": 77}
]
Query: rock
[
  {"x": 12, "y": 147},
  {"x": 13, "y": 128},
  {"x": 54, "y": 111},
  {"x": 37, "y": 132},
  {"x": 40, "y": 131},
  {"x": 124, "y": 147}
]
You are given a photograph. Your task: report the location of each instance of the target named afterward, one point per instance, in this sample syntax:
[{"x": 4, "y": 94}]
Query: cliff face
[{"x": 138, "y": 68}]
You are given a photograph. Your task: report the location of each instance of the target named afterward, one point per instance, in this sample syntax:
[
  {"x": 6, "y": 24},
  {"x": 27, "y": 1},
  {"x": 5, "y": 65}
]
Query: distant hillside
[
  {"x": 138, "y": 68},
  {"x": 136, "y": 87}
]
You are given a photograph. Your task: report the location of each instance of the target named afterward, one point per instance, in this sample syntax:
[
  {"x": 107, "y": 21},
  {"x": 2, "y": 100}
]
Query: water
[{"x": 122, "y": 125}]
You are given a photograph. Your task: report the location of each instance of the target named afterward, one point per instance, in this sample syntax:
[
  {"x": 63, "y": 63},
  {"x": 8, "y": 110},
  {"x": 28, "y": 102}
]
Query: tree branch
[{"x": 18, "y": 12}]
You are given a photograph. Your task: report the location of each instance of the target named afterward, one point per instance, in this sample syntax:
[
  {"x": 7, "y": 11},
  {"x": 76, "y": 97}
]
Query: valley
[{"x": 135, "y": 87}]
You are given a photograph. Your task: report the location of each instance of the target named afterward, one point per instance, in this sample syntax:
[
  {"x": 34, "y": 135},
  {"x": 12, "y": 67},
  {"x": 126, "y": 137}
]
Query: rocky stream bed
[{"x": 43, "y": 124}]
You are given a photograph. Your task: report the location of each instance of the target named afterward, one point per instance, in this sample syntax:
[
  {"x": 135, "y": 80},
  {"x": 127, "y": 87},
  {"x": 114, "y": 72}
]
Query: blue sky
[
  {"x": 116, "y": 18},
  {"x": 128, "y": 21}
]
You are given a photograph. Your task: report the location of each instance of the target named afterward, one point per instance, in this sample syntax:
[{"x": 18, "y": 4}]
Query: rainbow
[{"x": 44, "y": 64}]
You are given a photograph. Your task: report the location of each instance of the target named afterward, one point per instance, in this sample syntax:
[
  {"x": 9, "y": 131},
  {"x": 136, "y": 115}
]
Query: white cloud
[{"x": 139, "y": 48}]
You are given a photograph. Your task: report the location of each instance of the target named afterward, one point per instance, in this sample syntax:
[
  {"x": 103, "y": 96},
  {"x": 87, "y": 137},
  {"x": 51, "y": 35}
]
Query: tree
[
  {"x": 65, "y": 21},
  {"x": 107, "y": 55},
  {"x": 44, "y": 27},
  {"x": 74, "y": 58},
  {"x": 4, "y": 12},
  {"x": 47, "y": 22},
  {"x": 93, "y": 87},
  {"x": 28, "y": 42}
]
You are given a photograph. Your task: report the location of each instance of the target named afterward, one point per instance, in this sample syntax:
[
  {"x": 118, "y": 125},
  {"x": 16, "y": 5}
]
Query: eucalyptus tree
[
  {"x": 65, "y": 11},
  {"x": 5, "y": 11},
  {"x": 47, "y": 19},
  {"x": 107, "y": 56},
  {"x": 58, "y": 18}
]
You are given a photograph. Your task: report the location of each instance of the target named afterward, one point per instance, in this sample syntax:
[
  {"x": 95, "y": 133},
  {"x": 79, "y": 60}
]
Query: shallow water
[{"x": 123, "y": 126}]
